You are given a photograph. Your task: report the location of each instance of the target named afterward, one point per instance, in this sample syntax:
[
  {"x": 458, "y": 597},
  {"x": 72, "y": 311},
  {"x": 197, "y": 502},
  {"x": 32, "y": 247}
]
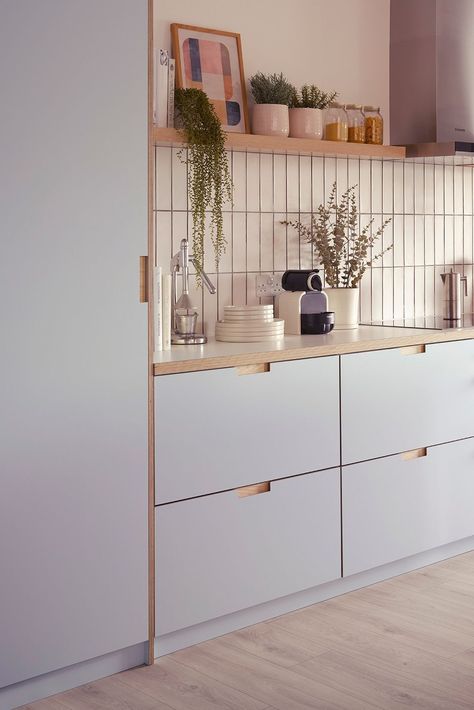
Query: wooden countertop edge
[{"x": 222, "y": 361}]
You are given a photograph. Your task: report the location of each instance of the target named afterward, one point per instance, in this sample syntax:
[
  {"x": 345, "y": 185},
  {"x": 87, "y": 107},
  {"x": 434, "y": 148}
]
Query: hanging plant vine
[{"x": 208, "y": 175}]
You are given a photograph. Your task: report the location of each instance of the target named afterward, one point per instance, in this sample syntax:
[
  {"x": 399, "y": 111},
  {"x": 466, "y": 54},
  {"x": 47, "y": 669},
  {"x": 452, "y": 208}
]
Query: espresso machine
[{"x": 184, "y": 314}]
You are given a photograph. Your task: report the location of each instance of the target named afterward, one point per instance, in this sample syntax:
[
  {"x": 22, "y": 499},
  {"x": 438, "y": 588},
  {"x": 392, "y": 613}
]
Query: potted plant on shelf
[
  {"x": 272, "y": 94},
  {"x": 306, "y": 111},
  {"x": 343, "y": 250},
  {"x": 208, "y": 175}
]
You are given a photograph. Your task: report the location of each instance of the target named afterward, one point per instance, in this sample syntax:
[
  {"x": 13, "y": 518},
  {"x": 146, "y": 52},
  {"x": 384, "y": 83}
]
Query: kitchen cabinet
[
  {"x": 403, "y": 398},
  {"x": 222, "y": 553},
  {"x": 399, "y": 506},
  {"x": 218, "y": 429},
  {"x": 73, "y": 435}
]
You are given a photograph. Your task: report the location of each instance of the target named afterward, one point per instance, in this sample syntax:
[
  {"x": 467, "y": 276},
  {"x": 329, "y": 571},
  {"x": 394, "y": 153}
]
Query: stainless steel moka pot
[
  {"x": 184, "y": 314},
  {"x": 453, "y": 298}
]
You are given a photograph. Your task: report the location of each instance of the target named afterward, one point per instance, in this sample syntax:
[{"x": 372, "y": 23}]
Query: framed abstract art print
[{"x": 211, "y": 60}]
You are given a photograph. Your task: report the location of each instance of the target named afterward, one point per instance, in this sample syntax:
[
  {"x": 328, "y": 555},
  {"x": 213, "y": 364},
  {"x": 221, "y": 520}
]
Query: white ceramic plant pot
[
  {"x": 345, "y": 304},
  {"x": 306, "y": 123},
  {"x": 270, "y": 120}
]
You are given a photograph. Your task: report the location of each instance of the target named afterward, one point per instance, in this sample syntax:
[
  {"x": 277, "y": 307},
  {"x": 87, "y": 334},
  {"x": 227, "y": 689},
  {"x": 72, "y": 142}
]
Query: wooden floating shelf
[{"x": 290, "y": 146}]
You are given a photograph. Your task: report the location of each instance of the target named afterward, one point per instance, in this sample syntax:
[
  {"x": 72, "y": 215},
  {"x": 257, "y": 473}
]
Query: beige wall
[{"x": 340, "y": 44}]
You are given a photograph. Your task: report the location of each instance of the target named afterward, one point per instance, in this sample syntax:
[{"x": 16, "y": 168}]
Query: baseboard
[
  {"x": 239, "y": 620},
  {"x": 66, "y": 678}
]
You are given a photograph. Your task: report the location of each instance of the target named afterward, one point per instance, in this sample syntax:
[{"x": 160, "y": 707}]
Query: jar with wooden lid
[
  {"x": 356, "y": 123},
  {"x": 373, "y": 122},
  {"x": 335, "y": 123}
]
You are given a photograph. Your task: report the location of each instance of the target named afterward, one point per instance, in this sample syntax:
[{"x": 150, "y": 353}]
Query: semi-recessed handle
[
  {"x": 414, "y": 454},
  {"x": 253, "y": 490},
  {"x": 413, "y": 350},
  {"x": 143, "y": 279},
  {"x": 253, "y": 369}
]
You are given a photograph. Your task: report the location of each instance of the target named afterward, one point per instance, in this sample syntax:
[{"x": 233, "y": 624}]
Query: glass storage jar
[
  {"x": 335, "y": 123},
  {"x": 356, "y": 123},
  {"x": 373, "y": 125}
]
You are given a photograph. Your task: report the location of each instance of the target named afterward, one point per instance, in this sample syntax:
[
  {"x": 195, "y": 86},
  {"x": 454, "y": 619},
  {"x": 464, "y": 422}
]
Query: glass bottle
[
  {"x": 335, "y": 123},
  {"x": 373, "y": 125},
  {"x": 356, "y": 123}
]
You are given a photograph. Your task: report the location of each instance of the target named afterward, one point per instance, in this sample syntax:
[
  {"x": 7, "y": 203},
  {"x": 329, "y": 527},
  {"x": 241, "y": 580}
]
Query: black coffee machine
[{"x": 303, "y": 304}]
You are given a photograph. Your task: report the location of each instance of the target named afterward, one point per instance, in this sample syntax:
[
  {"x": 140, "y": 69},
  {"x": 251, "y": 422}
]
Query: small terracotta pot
[
  {"x": 270, "y": 120},
  {"x": 306, "y": 123}
]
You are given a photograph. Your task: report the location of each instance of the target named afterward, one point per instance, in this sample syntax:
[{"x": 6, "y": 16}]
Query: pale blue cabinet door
[
  {"x": 394, "y": 508},
  {"x": 216, "y": 430},
  {"x": 221, "y": 553},
  {"x": 392, "y": 402},
  {"x": 73, "y": 370}
]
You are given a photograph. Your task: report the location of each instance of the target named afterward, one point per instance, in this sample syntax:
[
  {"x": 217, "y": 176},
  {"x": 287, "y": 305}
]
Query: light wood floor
[{"x": 407, "y": 642}]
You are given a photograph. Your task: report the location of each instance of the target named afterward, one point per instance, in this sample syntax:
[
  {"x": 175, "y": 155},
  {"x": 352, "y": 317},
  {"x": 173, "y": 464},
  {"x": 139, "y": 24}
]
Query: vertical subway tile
[
  {"x": 468, "y": 234},
  {"x": 292, "y": 183},
  {"x": 439, "y": 290},
  {"x": 252, "y": 298},
  {"x": 387, "y": 284},
  {"x": 239, "y": 289},
  {"x": 398, "y": 293},
  {"x": 419, "y": 292},
  {"x": 279, "y": 183},
  {"x": 163, "y": 239},
  {"x": 181, "y": 225},
  {"x": 210, "y": 308},
  {"x": 163, "y": 178},
  {"x": 449, "y": 239},
  {"x": 305, "y": 183},
  {"x": 419, "y": 240},
  {"x": 293, "y": 244},
  {"x": 318, "y": 182},
  {"x": 267, "y": 227},
  {"x": 409, "y": 291},
  {"x": 387, "y": 173},
  {"x": 353, "y": 172},
  {"x": 449, "y": 189},
  {"x": 398, "y": 240},
  {"x": 365, "y": 187},
  {"x": 387, "y": 240},
  {"x": 341, "y": 176},
  {"x": 266, "y": 182},
  {"x": 179, "y": 195},
  {"x": 439, "y": 240},
  {"x": 467, "y": 189},
  {"x": 458, "y": 190},
  {"x": 253, "y": 242},
  {"x": 365, "y": 293},
  {"x": 224, "y": 293},
  {"x": 376, "y": 186},
  {"x": 409, "y": 241},
  {"x": 439, "y": 189},
  {"x": 429, "y": 291},
  {"x": 225, "y": 264},
  {"x": 279, "y": 246},
  {"x": 419, "y": 188},
  {"x": 329, "y": 175},
  {"x": 409, "y": 186},
  {"x": 398, "y": 200},
  {"x": 239, "y": 179},
  {"x": 458, "y": 240},
  {"x": 429, "y": 238},
  {"x": 253, "y": 182},
  {"x": 377, "y": 294},
  {"x": 429, "y": 188},
  {"x": 238, "y": 242}
]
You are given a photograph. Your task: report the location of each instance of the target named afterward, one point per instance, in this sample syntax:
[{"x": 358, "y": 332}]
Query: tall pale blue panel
[{"x": 73, "y": 370}]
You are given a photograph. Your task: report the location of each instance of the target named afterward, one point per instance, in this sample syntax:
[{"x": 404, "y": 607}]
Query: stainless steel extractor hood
[{"x": 432, "y": 77}]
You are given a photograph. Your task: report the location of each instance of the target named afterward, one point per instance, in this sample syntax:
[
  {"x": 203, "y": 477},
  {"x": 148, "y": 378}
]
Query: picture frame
[{"x": 211, "y": 60}]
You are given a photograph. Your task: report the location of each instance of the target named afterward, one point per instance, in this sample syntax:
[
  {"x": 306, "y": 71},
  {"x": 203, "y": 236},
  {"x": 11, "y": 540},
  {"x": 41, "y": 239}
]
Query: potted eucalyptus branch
[
  {"x": 306, "y": 111},
  {"x": 208, "y": 175},
  {"x": 272, "y": 95},
  {"x": 344, "y": 250}
]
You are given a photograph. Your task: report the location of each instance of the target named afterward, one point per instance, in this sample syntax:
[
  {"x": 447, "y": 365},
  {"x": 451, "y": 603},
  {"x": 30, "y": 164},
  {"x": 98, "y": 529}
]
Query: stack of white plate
[{"x": 247, "y": 324}]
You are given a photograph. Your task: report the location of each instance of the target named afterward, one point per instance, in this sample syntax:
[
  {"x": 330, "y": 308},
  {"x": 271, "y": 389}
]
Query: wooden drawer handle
[
  {"x": 253, "y": 490},
  {"x": 253, "y": 369},
  {"x": 413, "y": 349},
  {"x": 414, "y": 454}
]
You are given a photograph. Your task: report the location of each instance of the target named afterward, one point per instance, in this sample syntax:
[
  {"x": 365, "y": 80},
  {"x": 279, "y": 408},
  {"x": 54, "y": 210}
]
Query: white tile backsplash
[{"x": 431, "y": 207}]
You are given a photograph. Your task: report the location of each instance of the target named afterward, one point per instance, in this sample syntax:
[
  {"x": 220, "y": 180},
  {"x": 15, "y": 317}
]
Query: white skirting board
[
  {"x": 263, "y": 612},
  {"x": 66, "y": 678}
]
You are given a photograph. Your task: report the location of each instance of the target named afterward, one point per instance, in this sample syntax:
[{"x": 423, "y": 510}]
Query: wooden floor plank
[
  {"x": 282, "y": 688},
  {"x": 185, "y": 689},
  {"x": 404, "y": 643}
]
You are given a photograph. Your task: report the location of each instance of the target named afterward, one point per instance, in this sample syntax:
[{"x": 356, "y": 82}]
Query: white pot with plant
[
  {"x": 272, "y": 94},
  {"x": 306, "y": 111},
  {"x": 343, "y": 251}
]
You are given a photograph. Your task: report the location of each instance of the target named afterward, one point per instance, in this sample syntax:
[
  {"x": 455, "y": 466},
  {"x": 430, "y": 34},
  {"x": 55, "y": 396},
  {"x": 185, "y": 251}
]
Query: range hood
[{"x": 432, "y": 77}]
